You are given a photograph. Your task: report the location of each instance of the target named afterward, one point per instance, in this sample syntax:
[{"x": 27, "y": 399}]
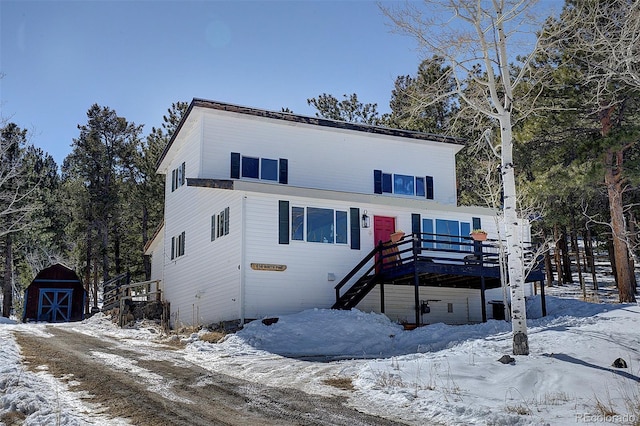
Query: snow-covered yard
[{"x": 436, "y": 374}]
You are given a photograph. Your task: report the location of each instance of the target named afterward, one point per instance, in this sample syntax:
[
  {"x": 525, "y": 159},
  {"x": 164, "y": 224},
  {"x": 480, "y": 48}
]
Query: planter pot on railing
[{"x": 479, "y": 236}]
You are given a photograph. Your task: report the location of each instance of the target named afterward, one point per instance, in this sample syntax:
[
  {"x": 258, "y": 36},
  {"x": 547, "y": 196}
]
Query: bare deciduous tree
[
  {"x": 478, "y": 41},
  {"x": 609, "y": 34}
]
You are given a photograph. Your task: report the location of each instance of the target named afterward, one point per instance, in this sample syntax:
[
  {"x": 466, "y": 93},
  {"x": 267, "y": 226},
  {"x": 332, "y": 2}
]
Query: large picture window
[
  {"x": 449, "y": 234},
  {"x": 319, "y": 225}
]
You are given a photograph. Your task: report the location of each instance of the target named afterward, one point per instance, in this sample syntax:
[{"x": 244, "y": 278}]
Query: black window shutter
[
  {"x": 429, "y": 185},
  {"x": 377, "y": 181},
  {"x": 284, "y": 171},
  {"x": 355, "y": 228},
  {"x": 415, "y": 226},
  {"x": 173, "y": 180},
  {"x": 477, "y": 223},
  {"x": 235, "y": 165},
  {"x": 415, "y": 223},
  {"x": 173, "y": 248},
  {"x": 283, "y": 222}
]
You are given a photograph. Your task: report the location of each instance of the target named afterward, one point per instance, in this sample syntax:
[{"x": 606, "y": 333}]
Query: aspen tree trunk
[{"x": 515, "y": 263}]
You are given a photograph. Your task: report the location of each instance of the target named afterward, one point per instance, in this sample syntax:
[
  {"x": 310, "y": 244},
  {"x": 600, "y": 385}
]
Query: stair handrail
[{"x": 358, "y": 267}]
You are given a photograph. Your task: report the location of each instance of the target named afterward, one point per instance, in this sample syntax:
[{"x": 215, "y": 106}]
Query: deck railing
[{"x": 431, "y": 247}]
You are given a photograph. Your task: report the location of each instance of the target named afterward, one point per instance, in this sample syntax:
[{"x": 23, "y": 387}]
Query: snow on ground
[{"x": 436, "y": 374}]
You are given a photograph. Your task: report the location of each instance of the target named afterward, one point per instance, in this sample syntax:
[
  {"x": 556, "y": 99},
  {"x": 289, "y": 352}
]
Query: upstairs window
[
  {"x": 178, "y": 177},
  {"x": 399, "y": 184},
  {"x": 250, "y": 167},
  {"x": 269, "y": 169}
]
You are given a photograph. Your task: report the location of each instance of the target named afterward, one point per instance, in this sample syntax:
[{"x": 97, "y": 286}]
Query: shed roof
[{"x": 57, "y": 272}]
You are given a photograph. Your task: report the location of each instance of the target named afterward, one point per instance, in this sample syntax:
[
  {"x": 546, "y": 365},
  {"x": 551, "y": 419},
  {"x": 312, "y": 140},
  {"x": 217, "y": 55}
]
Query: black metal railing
[{"x": 442, "y": 249}]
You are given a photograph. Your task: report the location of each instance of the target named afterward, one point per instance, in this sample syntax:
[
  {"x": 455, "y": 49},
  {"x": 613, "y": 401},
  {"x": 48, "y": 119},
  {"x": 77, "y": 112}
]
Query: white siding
[
  {"x": 327, "y": 168},
  {"x": 323, "y": 157},
  {"x": 305, "y": 284},
  {"x": 203, "y": 286},
  {"x": 400, "y": 304}
]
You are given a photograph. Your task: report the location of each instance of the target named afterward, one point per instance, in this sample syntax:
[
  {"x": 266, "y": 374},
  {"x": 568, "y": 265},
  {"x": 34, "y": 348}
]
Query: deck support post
[
  {"x": 416, "y": 277},
  {"x": 382, "y": 298},
  {"x": 483, "y": 299},
  {"x": 543, "y": 300},
  {"x": 477, "y": 248}
]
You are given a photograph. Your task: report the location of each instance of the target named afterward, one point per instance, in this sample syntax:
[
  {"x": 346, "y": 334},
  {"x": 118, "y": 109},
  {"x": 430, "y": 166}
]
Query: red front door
[{"x": 383, "y": 227}]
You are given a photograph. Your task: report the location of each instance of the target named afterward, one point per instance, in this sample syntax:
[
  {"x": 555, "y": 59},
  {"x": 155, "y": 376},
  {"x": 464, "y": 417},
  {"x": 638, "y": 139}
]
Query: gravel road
[{"x": 171, "y": 391}]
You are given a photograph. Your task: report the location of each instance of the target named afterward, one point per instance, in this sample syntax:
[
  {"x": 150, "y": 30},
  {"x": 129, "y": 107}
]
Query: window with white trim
[
  {"x": 319, "y": 225},
  {"x": 178, "y": 177},
  {"x": 449, "y": 234},
  {"x": 400, "y": 184},
  {"x": 268, "y": 169},
  {"x": 177, "y": 246},
  {"x": 220, "y": 224}
]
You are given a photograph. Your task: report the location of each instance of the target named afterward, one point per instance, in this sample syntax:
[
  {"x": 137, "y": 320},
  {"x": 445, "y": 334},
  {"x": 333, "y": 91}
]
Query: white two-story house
[{"x": 266, "y": 213}]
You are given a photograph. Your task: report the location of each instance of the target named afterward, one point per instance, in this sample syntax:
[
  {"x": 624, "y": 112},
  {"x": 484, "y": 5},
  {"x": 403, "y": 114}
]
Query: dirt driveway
[{"x": 171, "y": 391}]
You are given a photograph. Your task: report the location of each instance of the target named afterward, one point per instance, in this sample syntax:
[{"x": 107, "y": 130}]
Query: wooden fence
[{"x": 122, "y": 296}]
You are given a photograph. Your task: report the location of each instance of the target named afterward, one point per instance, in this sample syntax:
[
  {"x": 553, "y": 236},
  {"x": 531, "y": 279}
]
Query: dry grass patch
[
  {"x": 174, "y": 343},
  {"x": 13, "y": 418},
  {"x": 212, "y": 336},
  {"x": 344, "y": 383}
]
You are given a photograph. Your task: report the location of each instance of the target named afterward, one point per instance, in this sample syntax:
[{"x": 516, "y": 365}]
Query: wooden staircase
[
  {"x": 356, "y": 292},
  {"x": 429, "y": 260},
  {"x": 371, "y": 268}
]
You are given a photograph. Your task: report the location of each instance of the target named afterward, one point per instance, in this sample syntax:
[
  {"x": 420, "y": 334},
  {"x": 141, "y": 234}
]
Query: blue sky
[{"x": 137, "y": 57}]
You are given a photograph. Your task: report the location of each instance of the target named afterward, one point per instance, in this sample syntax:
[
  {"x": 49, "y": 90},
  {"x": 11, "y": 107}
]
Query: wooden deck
[{"x": 429, "y": 260}]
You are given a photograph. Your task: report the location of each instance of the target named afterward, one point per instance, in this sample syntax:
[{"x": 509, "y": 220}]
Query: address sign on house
[{"x": 268, "y": 267}]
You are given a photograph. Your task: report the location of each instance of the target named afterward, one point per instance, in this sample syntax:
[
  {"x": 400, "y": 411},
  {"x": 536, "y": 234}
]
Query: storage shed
[{"x": 55, "y": 295}]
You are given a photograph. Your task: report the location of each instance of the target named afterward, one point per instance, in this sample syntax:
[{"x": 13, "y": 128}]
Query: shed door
[{"x": 55, "y": 304}]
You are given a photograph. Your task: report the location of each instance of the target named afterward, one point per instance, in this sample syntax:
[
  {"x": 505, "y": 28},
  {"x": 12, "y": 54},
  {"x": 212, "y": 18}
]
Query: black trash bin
[{"x": 498, "y": 309}]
